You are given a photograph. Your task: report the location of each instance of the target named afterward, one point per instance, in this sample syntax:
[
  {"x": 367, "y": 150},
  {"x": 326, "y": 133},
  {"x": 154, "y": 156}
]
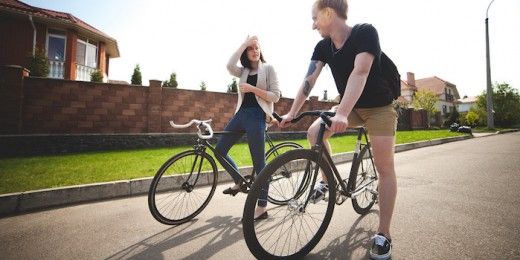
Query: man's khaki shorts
[{"x": 379, "y": 121}]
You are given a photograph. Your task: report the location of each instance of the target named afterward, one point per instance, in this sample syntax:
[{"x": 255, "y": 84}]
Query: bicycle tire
[
  {"x": 365, "y": 176},
  {"x": 285, "y": 181},
  {"x": 184, "y": 176},
  {"x": 255, "y": 232}
]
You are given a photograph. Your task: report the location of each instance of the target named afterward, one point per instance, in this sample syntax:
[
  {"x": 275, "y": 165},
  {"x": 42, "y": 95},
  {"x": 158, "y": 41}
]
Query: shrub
[
  {"x": 472, "y": 118},
  {"x": 38, "y": 64},
  {"x": 96, "y": 76}
]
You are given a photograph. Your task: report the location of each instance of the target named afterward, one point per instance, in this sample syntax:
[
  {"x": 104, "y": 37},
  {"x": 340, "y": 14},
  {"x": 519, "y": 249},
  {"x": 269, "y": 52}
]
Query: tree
[
  {"x": 506, "y": 105},
  {"x": 233, "y": 86},
  {"x": 38, "y": 64},
  {"x": 96, "y": 76},
  {"x": 427, "y": 100},
  {"x": 136, "y": 77},
  {"x": 172, "y": 83},
  {"x": 203, "y": 86}
]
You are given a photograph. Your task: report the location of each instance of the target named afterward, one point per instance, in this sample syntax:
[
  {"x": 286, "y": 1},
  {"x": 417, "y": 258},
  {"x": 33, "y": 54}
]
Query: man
[{"x": 355, "y": 66}]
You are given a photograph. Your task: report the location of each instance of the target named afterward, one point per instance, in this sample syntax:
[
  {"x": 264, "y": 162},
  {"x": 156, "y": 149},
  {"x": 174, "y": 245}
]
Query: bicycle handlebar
[
  {"x": 323, "y": 114},
  {"x": 199, "y": 123}
]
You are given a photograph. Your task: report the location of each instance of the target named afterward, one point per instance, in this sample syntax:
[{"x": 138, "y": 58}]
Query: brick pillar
[
  {"x": 102, "y": 61},
  {"x": 11, "y": 98},
  {"x": 154, "y": 106},
  {"x": 70, "y": 56}
]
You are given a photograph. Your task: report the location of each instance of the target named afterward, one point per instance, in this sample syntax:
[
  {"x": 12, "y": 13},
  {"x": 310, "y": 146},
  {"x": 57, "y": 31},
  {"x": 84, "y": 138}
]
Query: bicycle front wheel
[
  {"x": 284, "y": 182},
  {"x": 291, "y": 230},
  {"x": 182, "y": 187},
  {"x": 365, "y": 188}
]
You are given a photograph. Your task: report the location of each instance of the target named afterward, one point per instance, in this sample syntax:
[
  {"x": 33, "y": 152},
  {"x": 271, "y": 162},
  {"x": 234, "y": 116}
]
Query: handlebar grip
[
  {"x": 326, "y": 119},
  {"x": 277, "y": 117}
]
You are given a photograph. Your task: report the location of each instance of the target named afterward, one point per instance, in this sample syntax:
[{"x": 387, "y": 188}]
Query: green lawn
[{"x": 39, "y": 172}]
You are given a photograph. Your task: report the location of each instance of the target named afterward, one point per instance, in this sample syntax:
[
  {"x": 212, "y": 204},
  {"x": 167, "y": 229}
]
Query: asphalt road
[{"x": 459, "y": 200}]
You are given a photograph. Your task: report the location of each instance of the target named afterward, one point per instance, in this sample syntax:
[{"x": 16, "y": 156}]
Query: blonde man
[{"x": 355, "y": 66}]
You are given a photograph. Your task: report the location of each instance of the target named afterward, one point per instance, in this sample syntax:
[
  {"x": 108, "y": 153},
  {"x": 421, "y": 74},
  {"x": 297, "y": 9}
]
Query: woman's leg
[
  {"x": 255, "y": 129},
  {"x": 225, "y": 142}
]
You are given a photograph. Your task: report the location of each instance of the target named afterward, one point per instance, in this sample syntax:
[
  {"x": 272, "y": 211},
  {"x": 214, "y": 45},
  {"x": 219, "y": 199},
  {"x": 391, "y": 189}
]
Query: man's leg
[{"x": 383, "y": 152}]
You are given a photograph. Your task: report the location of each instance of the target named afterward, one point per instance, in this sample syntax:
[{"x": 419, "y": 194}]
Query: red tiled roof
[
  {"x": 46, "y": 13},
  {"x": 20, "y": 7},
  {"x": 434, "y": 84}
]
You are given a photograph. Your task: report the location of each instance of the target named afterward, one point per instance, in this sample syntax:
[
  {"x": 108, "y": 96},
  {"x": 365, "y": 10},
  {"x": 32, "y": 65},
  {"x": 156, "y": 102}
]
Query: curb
[{"x": 15, "y": 203}]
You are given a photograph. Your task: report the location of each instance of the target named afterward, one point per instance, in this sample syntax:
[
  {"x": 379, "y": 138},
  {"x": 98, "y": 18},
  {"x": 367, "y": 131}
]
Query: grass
[{"x": 39, "y": 172}]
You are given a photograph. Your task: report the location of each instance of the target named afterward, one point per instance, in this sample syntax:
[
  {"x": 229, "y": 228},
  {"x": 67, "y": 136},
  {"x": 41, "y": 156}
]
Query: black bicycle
[
  {"x": 186, "y": 182},
  {"x": 293, "y": 229}
]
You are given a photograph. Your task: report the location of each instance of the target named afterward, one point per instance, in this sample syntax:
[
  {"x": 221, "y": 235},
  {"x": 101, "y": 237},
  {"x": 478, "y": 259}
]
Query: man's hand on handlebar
[
  {"x": 339, "y": 123},
  {"x": 286, "y": 120}
]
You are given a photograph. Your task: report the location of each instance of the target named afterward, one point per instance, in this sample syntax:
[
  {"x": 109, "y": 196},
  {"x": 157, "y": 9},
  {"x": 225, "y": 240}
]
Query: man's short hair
[{"x": 339, "y": 6}]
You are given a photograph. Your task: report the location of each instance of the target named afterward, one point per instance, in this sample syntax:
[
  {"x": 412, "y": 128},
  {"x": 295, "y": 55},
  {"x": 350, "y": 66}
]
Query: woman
[{"x": 258, "y": 90}]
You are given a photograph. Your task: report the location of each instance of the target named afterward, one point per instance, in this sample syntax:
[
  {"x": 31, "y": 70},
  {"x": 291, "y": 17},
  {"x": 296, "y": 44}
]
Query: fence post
[
  {"x": 11, "y": 98},
  {"x": 154, "y": 106}
]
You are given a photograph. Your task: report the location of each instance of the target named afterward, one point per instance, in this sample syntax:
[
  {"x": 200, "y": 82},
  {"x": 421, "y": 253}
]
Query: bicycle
[
  {"x": 294, "y": 229},
  {"x": 186, "y": 182}
]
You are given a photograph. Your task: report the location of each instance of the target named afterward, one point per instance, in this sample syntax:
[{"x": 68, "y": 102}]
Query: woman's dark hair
[{"x": 245, "y": 61}]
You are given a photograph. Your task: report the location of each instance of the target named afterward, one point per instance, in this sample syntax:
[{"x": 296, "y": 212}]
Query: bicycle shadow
[
  {"x": 225, "y": 231},
  {"x": 355, "y": 244}
]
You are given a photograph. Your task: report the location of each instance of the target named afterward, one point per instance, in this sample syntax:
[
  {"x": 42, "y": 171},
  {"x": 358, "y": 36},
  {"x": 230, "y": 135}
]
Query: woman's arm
[
  {"x": 271, "y": 95},
  {"x": 232, "y": 63}
]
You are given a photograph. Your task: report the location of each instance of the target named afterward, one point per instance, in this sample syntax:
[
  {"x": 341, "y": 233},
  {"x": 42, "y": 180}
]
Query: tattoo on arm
[
  {"x": 307, "y": 88},
  {"x": 312, "y": 68},
  {"x": 307, "y": 84}
]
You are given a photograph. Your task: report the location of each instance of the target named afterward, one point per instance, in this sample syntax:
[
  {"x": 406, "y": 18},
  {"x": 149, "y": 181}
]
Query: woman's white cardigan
[{"x": 267, "y": 80}]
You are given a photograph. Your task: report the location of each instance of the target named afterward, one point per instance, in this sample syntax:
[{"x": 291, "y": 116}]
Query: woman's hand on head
[{"x": 250, "y": 40}]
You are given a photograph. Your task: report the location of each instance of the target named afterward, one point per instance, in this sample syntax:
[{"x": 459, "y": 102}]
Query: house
[
  {"x": 446, "y": 91},
  {"x": 75, "y": 49},
  {"x": 466, "y": 103}
]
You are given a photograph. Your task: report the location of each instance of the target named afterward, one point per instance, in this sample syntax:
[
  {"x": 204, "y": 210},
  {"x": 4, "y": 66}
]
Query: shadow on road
[
  {"x": 355, "y": 243},
  {"x": 224, "y": 231}
]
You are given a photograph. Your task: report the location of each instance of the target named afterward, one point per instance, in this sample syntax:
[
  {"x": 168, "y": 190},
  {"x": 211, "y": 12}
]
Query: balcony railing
[
  {"x": 56, "y": 69},
  {"x": 83, "y": 72}
]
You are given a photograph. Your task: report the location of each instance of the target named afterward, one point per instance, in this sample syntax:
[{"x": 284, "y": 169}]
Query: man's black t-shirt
[{"x": 341, "y": 63}]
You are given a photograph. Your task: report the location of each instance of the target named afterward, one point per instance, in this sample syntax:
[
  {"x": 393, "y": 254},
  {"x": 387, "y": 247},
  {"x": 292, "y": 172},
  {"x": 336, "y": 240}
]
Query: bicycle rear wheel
[
  {"x": 182, "y": 187},
  {"x": 365, "y": 188},
  {"x": 284, "y": 182},
  {"x": 291, "y": 230}
]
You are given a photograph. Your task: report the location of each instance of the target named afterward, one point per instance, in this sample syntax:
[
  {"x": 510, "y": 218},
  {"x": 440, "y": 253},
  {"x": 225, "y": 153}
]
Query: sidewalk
[{"x": 21, "y": 202}]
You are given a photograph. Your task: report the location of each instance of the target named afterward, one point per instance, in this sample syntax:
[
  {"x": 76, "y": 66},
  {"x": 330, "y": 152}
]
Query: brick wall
[{"x": 50, "y": 106}]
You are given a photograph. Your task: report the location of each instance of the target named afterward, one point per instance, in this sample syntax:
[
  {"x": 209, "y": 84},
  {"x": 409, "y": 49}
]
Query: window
[
  {"x": 444, "y": 109},
  {"x": 56, "y": 45},
  {"x": 86, "y": 54}
]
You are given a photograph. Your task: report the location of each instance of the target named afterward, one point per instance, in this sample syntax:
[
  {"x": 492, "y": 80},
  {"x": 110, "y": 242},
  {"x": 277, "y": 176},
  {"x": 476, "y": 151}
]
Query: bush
[
  {"x": 472, "y": 118},
  {"x": 96, "y": 76},
  {"x": 38, "y": 64}
]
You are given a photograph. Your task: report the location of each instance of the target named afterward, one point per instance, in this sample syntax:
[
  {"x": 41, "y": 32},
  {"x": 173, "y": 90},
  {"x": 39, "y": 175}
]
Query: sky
[{"x": 194, "y": 39}]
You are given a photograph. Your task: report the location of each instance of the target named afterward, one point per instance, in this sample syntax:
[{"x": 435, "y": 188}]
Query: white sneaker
[{"x": 319, "y": 192}]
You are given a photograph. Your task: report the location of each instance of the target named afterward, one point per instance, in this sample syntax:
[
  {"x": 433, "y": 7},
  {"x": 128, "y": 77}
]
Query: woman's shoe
[
  {"x": 231, "y": 191},
  {"x": 262, "y": 216}
]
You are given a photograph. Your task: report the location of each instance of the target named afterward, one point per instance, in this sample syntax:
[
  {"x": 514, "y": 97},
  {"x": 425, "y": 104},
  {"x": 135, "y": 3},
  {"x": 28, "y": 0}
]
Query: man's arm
[
  {"x": 355, "y": 85},
  {"x": 313, "y": 72}
]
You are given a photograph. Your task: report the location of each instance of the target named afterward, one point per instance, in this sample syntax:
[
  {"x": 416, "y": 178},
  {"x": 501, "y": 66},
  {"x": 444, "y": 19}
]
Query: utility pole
[{"x": 489, "y": 92}]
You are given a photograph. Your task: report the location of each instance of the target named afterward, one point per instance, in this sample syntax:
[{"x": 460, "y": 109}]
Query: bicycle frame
[
  {"x": 346, "y": 190},
  {"x": 202, "y": 144}
]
